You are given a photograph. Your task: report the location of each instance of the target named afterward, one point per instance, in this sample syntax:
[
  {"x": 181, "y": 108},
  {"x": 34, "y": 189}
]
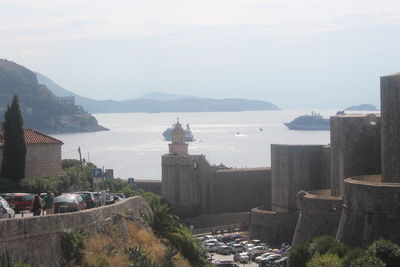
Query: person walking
[
  {"x": 37, "y": 206},
  {"x": 49, "y": 203}
]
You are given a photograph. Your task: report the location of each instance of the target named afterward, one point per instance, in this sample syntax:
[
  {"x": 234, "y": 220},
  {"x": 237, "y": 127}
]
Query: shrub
[
  {"x": 299, "y": 255},
  {"x": 139, "y": 257},
  {"x": 73, "y": 245},
  {"x": 326, "y": 245},
  {"x": 326, "y": 260},
  {"x": 351, "y": 255},
  {"x": 367, "y": 261},
  {"x": 385, "y": 250}
]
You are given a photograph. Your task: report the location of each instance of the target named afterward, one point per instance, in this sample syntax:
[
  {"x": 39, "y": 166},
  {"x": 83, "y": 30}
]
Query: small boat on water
[
  {"x": 309, "y": 122},
  {"x": 188, "y": 133}
]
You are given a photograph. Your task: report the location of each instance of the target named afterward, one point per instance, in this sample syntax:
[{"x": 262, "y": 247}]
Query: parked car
[
  {"x": 268, "y": 261},
  {"x": 68, "y": 203},
  {"x": 5, "y": 210},
  {"x": 224, "y": 263},
  {"x": 255, "y": 253},
  {"x": 241, "y": 257},
  {"x": 121, "y": 196},
  {"x": 88, "y": 197},
  {"x": 263, "y": 256},
  {"x": 237, "y": 248},
  {"x": 19, "y": 201},
  {"x": 283, "y": 262},
  {"x": 224, "y": 250},
  {"x": 211, "y": 247}
]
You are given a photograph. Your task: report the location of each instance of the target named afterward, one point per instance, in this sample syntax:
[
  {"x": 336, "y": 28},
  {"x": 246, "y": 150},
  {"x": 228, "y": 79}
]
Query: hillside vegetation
[{"x": 41, "y": 109}]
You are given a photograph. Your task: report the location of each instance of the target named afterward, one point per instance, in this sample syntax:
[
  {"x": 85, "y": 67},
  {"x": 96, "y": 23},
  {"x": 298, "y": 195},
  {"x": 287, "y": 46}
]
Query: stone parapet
[
  {"x": 371, "y": 210},
  {"x": 319, "y": 214},
  {"x": 37, "y": 240}
]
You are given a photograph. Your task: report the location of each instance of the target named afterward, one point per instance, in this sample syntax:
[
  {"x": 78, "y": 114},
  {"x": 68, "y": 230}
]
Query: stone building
[
  {"x": 43, "y": 153},
  {"x": 195, "y": 187}
]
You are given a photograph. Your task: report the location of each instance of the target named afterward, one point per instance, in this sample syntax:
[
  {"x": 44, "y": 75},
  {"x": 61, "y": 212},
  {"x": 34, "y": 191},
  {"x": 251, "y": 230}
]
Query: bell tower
[{"x": 178, "y": 145}]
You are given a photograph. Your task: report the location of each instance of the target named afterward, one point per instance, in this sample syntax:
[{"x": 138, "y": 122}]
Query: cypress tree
[{"x": 14, "y": 150}]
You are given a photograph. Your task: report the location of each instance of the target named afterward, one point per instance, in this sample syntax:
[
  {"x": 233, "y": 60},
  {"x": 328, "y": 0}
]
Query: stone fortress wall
[
  {"x": 37, "y": 240},
  {"x": 230, "y": 190},
  {"x": 354, "y": 149},
  {"x": 308, "y": 186},
  {"x": 371, "y": 202}
]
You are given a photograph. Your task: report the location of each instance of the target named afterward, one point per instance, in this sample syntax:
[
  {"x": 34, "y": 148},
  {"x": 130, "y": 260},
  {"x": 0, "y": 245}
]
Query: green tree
[
  {"x": 351, "y": 255},
  {"x": 299, "y": 255},
  {"x": 167, "y": 227},
  {"x": 367, "y": 261},
  {"x": 14, "y": 151},
  {"x": 326, "y": 260},
  {"x": 327, "y": 245},
  {"x": 385, "y": 250}
]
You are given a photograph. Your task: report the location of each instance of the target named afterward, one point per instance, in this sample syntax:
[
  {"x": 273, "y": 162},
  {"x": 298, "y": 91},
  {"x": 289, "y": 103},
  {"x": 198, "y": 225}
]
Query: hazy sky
[{"x": 295, "y": 54}]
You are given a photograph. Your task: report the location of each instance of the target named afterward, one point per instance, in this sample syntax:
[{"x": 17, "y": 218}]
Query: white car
[
  {"x": 263, "y": 256},
  {"x": 270, "y": 259},
  {"x": 5, "y": 210}
]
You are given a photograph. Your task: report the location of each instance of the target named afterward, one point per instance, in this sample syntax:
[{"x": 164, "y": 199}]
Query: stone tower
[
  {"x": 178, "y": 145},
  {"x": 181, "y": 183},
  {"x": 371, "y": 206}
]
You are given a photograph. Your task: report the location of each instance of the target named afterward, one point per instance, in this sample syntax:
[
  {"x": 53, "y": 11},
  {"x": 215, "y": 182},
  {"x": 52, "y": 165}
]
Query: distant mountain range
[
  {"x": 367, "y": 107},
  {"x": 40, "y": 108},
  {"x": 155, "y": 102}
]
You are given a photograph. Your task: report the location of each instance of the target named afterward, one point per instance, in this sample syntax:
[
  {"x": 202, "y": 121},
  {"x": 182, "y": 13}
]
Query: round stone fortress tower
[{"x": 371, "y": 206}]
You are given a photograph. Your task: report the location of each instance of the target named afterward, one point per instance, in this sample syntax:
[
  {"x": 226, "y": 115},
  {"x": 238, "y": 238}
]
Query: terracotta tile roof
[{"x": 35, "y": 137}]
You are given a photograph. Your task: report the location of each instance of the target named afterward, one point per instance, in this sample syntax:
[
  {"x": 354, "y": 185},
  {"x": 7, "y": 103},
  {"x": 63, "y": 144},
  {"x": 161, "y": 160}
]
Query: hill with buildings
[
  {"x": 159, "y": 102},
  {"x": 41, "y": 109}
]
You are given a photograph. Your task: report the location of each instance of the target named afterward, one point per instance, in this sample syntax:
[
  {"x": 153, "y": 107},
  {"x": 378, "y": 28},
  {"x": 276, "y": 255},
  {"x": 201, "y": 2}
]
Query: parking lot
[
  {"x": 236, "y": 249},
  {"x": 230, "y": 258}
]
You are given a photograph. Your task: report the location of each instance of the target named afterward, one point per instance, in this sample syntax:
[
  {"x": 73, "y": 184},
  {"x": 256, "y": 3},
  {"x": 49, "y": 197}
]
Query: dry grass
[{"x": 109, "y": 248}]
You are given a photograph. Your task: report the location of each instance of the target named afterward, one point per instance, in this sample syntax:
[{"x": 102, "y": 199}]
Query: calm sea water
[{"x": 134, "y": 144}]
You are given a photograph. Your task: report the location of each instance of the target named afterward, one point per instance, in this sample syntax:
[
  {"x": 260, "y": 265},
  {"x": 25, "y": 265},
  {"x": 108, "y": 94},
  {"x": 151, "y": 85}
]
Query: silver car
[{"x": 5, "y": 210}]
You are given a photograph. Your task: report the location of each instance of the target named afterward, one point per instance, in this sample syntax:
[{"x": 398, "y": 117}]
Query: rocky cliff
[{"x": 41, "y": 109}]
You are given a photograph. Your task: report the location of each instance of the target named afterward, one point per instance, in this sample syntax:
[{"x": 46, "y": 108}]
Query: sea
[{"x": 134, "y": 145}]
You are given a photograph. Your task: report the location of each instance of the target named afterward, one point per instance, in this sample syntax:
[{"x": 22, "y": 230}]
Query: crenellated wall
[{"x": 37, "y": 240}]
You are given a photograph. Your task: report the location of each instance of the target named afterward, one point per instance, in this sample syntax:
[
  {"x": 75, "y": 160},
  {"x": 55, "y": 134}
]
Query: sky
[{"x": 295, "y": 54}]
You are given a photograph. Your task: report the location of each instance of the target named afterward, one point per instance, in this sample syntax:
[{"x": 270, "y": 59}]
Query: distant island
[
  {"x": 155, "y": 102},
  {"x": 368, "y": 107},
  {"x": 41, "y": 109}
]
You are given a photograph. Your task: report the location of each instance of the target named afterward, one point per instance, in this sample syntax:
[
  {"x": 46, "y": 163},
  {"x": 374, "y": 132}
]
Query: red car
[
  {"x": 69, "y": 203},
  {"x": 19, "y": 201}
]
